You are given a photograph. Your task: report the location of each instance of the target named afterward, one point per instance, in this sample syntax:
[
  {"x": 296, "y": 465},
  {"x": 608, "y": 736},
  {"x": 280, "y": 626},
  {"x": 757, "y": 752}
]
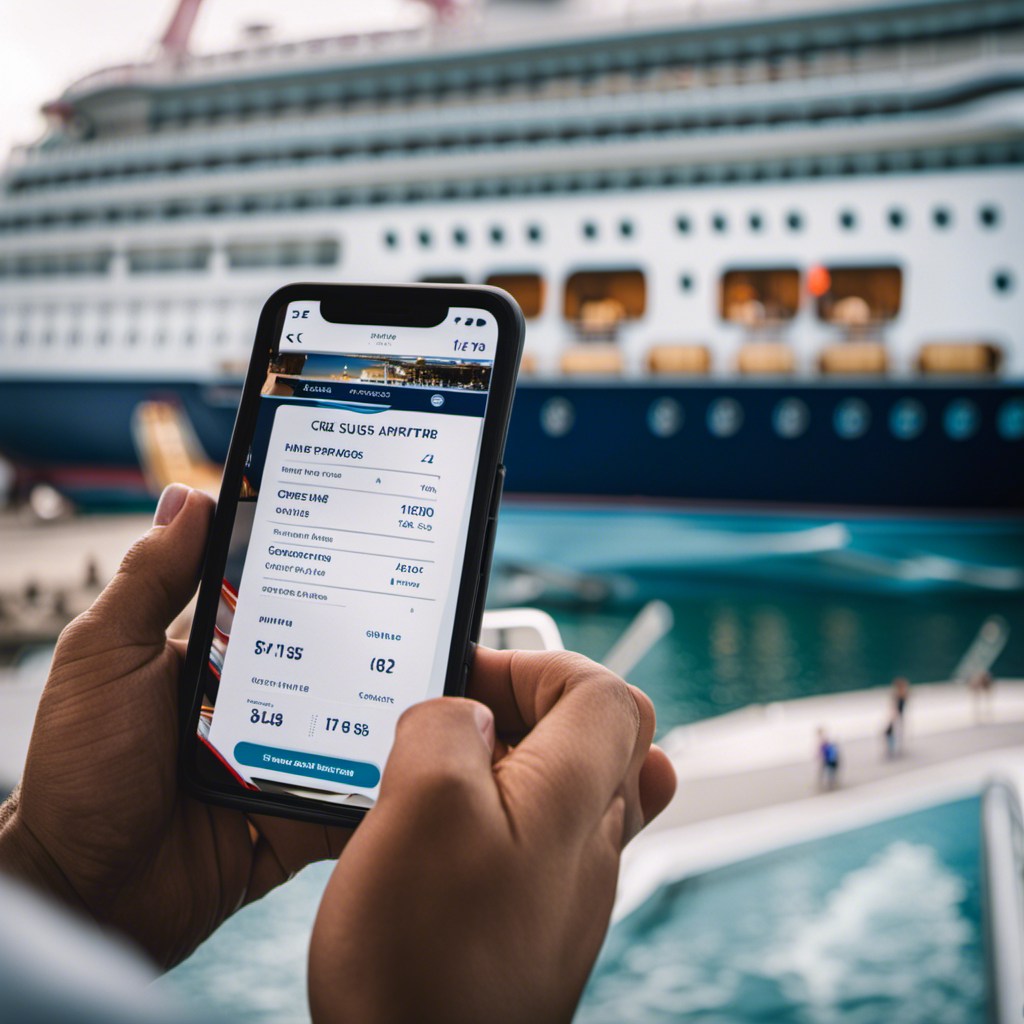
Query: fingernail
[
  {"x": 484, "y": 718},
  {"x": 170, "y": 504}
]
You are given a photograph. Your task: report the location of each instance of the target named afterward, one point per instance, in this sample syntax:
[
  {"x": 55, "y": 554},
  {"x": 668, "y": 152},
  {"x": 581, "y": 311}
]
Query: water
[
  {"x": 734, "y": 646},
  {"x": 879, "y": 924}
]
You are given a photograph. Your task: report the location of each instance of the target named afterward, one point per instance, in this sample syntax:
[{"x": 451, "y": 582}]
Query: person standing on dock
[
  {"x": 894, "y": 733},
  {"x": 828, "y": 755}
]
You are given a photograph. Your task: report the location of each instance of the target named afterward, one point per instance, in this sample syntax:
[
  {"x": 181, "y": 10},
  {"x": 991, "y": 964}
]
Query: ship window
[
  {"x": 589, "y": 229},
  {"x": 857, "y": 296},
  {"x": 54, "y": 264},
  {"x": 1002, "y": 281},
  {"x": 686, "y": 282},
  {"x": 626, "y": 228},
  {"x": 526, "y": 289},
  {"x": 534, "y": 233},
  {"x": 848, "y": 219},
  {"x": 424, "y": 238},
  {"x": 761, "y": 296},
  {"x": 391, "y": 239},
  {"x": 719, "y": 223},
  {"x": 941, "y": 217},
  {"x": 897, "y": 218},
  {"x": 168, "y": 259},
  {"x": 460, "y": 236},
  {"x": 282, "y": 252},
  {"x": 605, "y": 296},
  {"x": 497, "y": 234},
  {"x": 756, "y": 222},
  {"x": 989, "y": 216}
]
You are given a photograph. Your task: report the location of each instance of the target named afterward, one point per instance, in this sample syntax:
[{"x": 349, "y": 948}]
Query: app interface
[{"x": 339, "y": 593}]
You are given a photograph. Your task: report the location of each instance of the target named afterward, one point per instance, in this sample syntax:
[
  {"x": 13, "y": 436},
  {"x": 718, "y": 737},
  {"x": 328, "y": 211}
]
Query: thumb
[
  {"x": 159, "y": 574},
  {"x": 441, "y": 746}
]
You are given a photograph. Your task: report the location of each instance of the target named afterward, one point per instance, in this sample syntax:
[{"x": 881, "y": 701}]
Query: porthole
[
  {"x": 665, "y": 417},
  {"x": 1002, "y": 282},
  {"x": 102, "y": 338},
  {"x": 852, "y": 418},
  {"x": 686, "y": 282},
  {"x": 497, "y": 234},
  {"x": 589, "y": 229},
  {"x": 897, "y": 218},
  {"x": 459, "y": 236},
  {"x": 848, "y": 220},
  {"x": 791, "y": 418},
  {"x": 794, "y": 221},
  {"x": 683, "y": 224},
  {"x": 391, "y": 239},
  {"x": 725, "y": 417},
  {"x": 557, "y": 417},
  {"x": 534, "y": 233},
  {"x": 626, "y": 228},
  {"x": 1010, "y": 420},
  {"x": 989, "y": 216},
  {"x": 961, "y": 419},
  {"x": 719, "y": 223},
  {"x": 756, "y": 222},
  {"x": 425, "y": 238},
  {"x": 907, "y": 419},
  {"x": 942, "y": 217}
]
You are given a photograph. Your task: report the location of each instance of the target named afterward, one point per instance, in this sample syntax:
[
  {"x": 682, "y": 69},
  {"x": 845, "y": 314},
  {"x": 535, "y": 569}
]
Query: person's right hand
[{"x": 480, "y": 886}]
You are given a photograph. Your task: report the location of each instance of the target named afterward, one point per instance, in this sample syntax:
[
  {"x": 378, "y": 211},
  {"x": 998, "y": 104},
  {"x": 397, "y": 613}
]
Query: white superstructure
[{"x": 139, "y": 238}]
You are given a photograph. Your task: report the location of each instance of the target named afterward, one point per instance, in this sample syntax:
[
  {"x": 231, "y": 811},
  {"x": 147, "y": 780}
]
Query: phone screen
[{"x": 346, "y": 553}]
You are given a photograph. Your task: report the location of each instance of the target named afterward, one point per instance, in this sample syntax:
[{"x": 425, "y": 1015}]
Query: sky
[{"x": 47, "y": 44}]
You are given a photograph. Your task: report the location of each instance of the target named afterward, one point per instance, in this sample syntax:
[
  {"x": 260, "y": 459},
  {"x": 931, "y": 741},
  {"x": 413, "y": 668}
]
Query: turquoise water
[
  {"x": 731, "y": 646},
  {"x": 878, "y": 924}
]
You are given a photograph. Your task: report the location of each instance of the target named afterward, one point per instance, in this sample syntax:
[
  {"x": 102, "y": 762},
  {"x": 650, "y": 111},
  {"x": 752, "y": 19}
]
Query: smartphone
[{"x": 347, "y": 565}]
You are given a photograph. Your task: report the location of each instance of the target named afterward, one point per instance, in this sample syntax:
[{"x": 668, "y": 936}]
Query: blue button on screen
[{"x": 313, "y": 766}]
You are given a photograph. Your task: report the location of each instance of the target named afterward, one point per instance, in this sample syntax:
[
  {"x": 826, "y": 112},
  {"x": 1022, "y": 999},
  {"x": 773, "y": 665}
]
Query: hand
[
  {"x": 99, "y": 820},
  {"x": 480, "y": 886}
]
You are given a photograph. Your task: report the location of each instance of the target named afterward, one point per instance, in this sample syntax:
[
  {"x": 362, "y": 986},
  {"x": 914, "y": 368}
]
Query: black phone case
[{"x": 398, "y": 305}]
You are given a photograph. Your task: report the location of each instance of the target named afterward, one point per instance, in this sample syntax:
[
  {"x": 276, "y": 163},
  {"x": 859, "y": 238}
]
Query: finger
[
  {"x": 657, "y": 783},
  {"x": 442, "y": 752},
  {"x": 283, "y": 848},
  {"x": 635, "y": 818},
  {"x": 159, "y": 574},
  {"x": 490, "y": 682},
  {"x": 587, "y": 744}
]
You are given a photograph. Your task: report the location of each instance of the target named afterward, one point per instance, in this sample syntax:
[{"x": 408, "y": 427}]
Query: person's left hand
[{"x": 99, "y": 820}]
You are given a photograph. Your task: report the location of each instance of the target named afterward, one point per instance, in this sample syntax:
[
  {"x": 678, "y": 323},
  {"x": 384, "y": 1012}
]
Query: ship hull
[{"x": 886, "y": 447}]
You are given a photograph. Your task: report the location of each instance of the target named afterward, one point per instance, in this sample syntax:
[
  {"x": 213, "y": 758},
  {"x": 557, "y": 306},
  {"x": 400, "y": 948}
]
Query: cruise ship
[{"x": 771, "y": 254}]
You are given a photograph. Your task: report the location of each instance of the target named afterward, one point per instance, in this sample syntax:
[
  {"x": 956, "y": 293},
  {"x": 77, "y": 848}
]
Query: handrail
[{"x": 1002, "y": 840}]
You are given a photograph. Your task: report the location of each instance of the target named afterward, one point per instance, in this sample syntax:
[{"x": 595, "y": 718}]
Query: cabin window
[
  {"x": 534, "y": 233},
  {"x": 941, "y": 217},
  {"x": 989, "y": 216},
  {"x": 857, "y": 296},
  {"x": 526, "y": 289},
  {"x": 599, "y": 300},
  {"x": 1002, "y": 282},
  {"x": 758, "y": 297},
  {"x": 848, "y": 220},
  {"x": 282, "y": 252},
  {"x": 163, "y": 259}
]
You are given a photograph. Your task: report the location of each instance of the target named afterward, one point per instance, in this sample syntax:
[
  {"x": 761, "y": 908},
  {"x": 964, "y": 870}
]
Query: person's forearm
[{"x": 23, "y": 857}]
